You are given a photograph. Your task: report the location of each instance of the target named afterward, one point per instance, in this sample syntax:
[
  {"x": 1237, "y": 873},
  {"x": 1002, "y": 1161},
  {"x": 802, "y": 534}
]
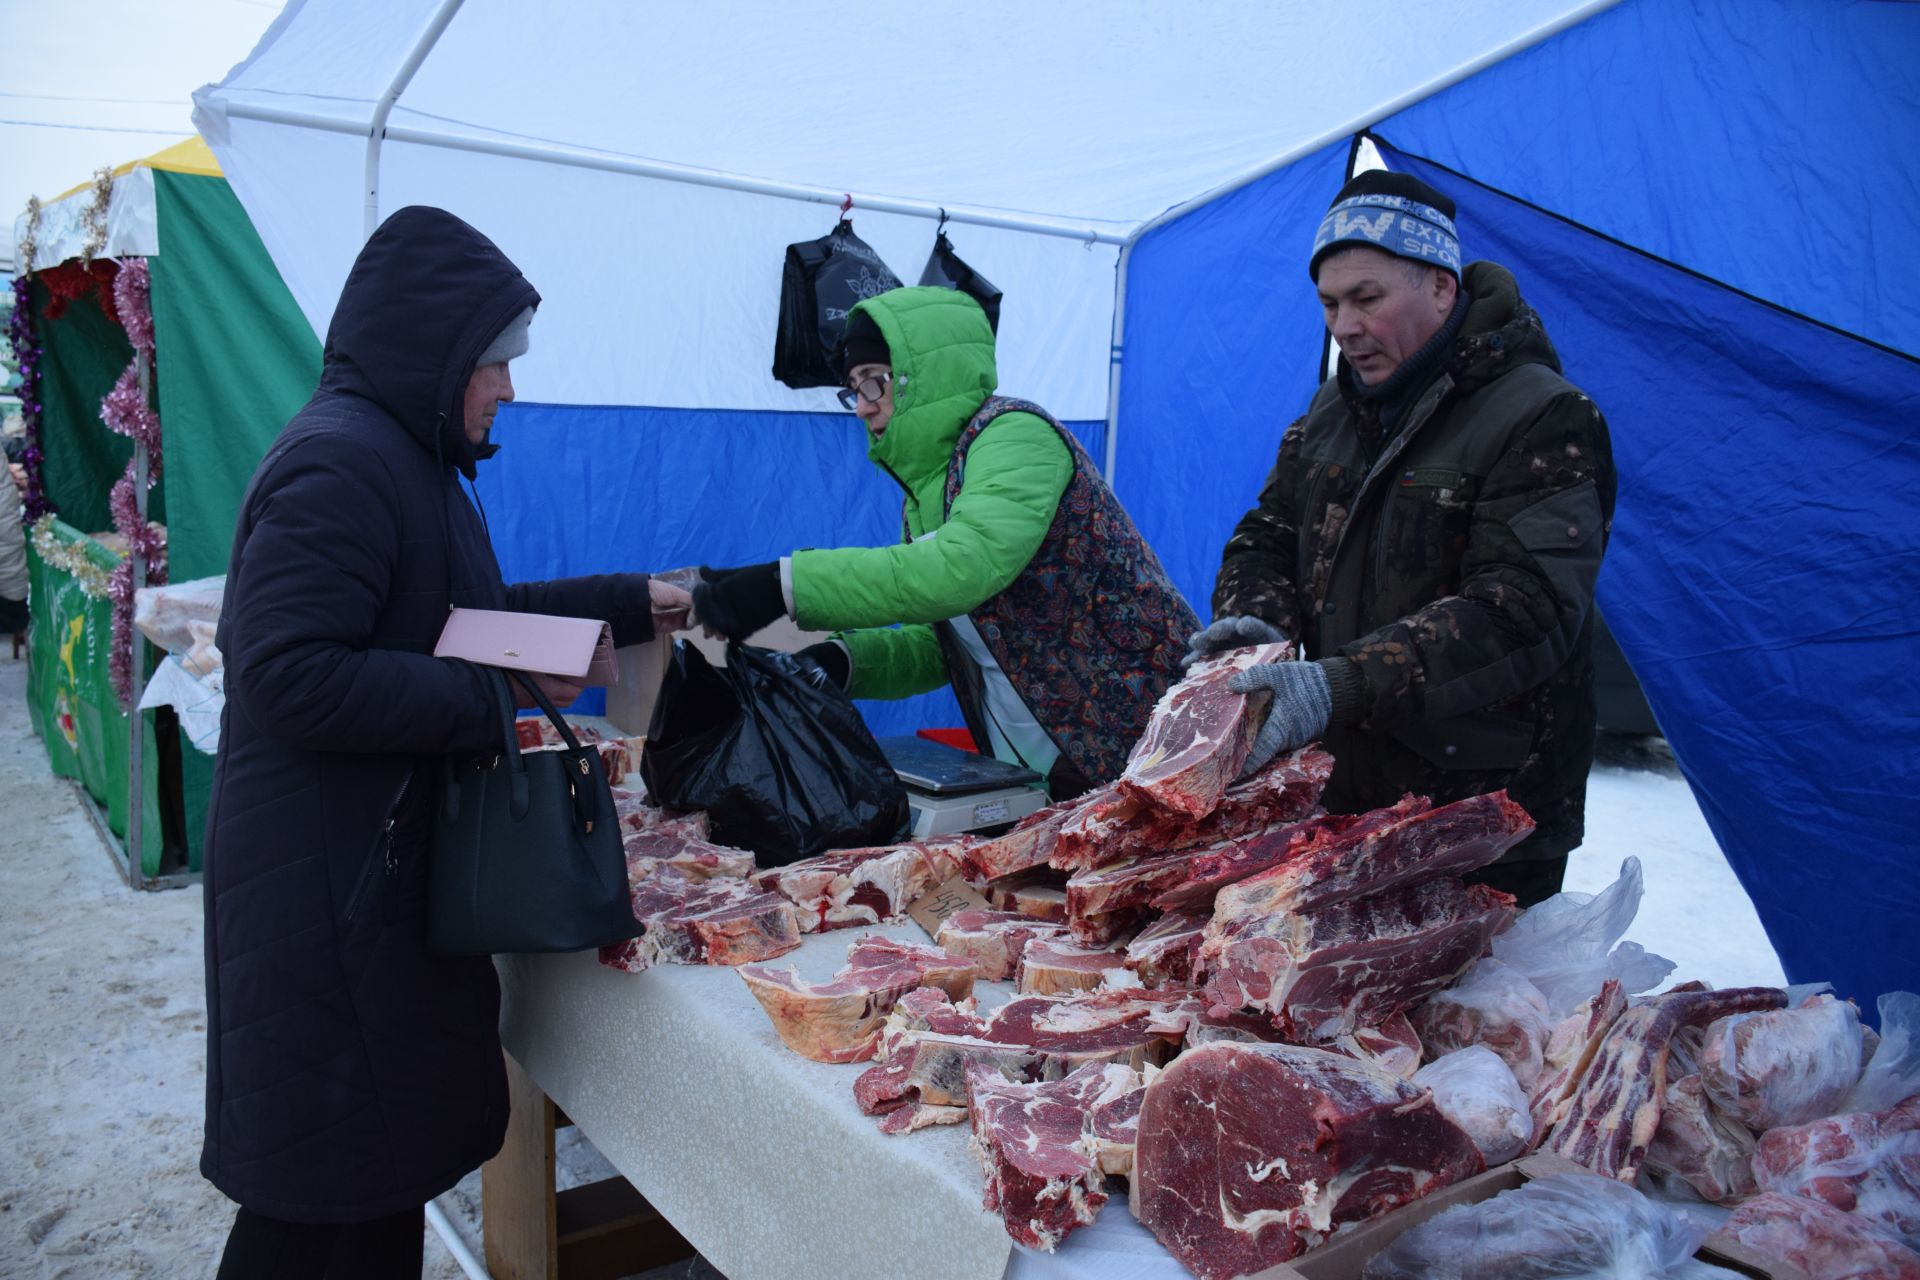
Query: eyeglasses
[{"x": 868, "y": 389}]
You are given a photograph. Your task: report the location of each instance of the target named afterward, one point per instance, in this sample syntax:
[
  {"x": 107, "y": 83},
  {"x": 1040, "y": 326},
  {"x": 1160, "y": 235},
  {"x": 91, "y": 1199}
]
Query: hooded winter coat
[
  {"x": 351, "y": 1074},
  {"x": 1032, "y": 549},
  {"x": 1453, "y": 564}
]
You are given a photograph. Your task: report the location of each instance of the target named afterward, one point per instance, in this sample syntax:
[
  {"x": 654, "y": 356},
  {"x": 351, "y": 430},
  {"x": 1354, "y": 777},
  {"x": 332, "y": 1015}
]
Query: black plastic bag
[
  {"x": 782, "y": 765},
  {"x": 822, "y": 281},
  {"x": 945, "y": 268}
]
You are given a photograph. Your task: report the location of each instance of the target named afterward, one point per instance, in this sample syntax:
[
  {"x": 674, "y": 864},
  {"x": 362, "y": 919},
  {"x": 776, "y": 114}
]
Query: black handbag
[{"x": 526, "y": 848}]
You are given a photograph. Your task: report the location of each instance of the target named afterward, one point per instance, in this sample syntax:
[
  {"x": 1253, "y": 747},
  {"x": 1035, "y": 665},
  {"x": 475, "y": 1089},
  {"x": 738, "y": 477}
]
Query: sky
[{"x": 117, "y": 76}]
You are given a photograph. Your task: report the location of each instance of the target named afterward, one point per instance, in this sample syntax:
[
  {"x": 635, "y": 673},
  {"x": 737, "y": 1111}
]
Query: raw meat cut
[
  {"x": 1712, "y": 1153},
  {"x": 1164, "y": 952},
  {"x": 1124, "y": 825},
  {"x": 1028, "y": 844},
  {"x": 1250, "y": 1154},
  {"x": 1569, "y": 1052},
  {"x": 1029, "y": 1037},
  {"x": 1113, "y": 1128},
  {"x": 1049, "y": 967},
  {"x": 1474, "y": 1088},
  {"x": 1103, "y": 900},
  {"x": 618, "y": 756},
  {"x": 1213, "y": 867},
  {"x": 1376, "y": 858},
  {"x": 699, "y": 859},
  {"x": 1784, "y": 1067},
  {"x": 839, "y": 1020},
  {"x": 850, "y": 887},
  {"x": 1324, "y": 973},
  {"x": 994, "y": 940},
  {"x": 1819, "y": 1239},
  {"x": 1864, "y": 1162},
  {"x": 1040, "y": 893},
  {"x": 1199, "y": 735},
  {"x": 1615, "y": 1108},
  {"x": 1393, "y": 1046},
  {"x": 717, "y": 921},
  {"x": 1493, "y": 1005},
  {"x": 1029, "y": 1138},
  {"x": 638, "y": 813}
]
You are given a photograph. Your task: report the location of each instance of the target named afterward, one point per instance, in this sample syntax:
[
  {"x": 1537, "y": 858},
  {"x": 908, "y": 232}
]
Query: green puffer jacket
[
  {"x": 943, "y": 371},
  {"x": 1455, "y": 570}
]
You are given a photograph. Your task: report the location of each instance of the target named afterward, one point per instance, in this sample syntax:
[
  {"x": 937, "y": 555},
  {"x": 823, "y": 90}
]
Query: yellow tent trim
[{"x": 191, "y": 156}]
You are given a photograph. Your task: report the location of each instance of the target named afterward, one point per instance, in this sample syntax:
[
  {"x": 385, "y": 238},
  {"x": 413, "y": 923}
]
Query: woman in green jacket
[{"x": 1019, "y": 579}]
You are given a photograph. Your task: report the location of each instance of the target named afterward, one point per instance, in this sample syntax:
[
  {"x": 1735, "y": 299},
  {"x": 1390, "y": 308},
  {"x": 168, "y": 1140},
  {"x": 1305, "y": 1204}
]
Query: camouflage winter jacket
[{"x": 1455, "y": 570}]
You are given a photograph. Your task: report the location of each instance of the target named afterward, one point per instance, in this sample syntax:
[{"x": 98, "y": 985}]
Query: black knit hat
[
  {"x": 863, "y": 344},
  {"x": 1395, "y": 213}
]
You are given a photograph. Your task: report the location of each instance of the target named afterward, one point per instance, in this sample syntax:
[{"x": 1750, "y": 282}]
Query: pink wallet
[{"x": 578, "y": 648}]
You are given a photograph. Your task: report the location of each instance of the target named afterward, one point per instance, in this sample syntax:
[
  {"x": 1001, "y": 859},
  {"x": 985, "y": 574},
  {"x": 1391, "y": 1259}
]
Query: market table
[{"x": 760, "y": 1157}]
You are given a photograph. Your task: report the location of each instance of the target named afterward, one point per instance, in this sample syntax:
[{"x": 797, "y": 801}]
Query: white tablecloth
[{"x": 760, "y": 1157}]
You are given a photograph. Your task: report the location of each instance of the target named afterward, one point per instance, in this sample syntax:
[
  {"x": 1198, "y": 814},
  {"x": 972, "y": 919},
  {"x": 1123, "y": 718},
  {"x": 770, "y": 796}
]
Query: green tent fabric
[
  {"x": 237, "y": 360},
  {"x": 83, "y": 353}
]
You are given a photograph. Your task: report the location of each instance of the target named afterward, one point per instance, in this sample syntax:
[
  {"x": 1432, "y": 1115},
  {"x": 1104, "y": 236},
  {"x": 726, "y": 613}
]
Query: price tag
[
  {"x": 931, "y": 910},
  {"x": 991, "y": 812}
]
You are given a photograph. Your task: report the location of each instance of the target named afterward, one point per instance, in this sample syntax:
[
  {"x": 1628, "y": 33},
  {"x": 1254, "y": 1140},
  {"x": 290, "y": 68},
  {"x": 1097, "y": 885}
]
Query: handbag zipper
[{"x": 382, "y": 852}]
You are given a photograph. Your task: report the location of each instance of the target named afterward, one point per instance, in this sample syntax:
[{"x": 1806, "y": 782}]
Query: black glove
[
  {"x": 830, "y": 660},
  {"x": 739, "y": 602}
]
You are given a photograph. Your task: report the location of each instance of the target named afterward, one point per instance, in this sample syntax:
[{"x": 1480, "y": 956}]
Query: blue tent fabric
[
  {"x": 1770, "y": 144},
  {"x": 605, "y": 489},
  {"x": 1764, "y": 572},
  {"x": 1222, "y": 349}
]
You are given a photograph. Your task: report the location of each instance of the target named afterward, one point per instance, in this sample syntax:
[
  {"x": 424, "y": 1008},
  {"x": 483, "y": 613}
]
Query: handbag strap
[{"x": 583, "y": 805}]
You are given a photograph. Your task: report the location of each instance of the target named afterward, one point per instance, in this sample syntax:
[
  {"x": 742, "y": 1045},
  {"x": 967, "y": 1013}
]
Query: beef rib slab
[{"x": 839, "y": 1020}]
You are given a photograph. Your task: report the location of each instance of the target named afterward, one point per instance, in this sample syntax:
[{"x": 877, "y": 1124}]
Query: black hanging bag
[
  {"x": 778, "y": 758},
  {"x": 945, "y": 268},
  {"x": 822, "y": 281},
  {"x": 526, "y": 848}
]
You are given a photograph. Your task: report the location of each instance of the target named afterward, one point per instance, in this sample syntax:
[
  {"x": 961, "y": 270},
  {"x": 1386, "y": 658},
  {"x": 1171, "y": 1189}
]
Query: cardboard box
[{"x": 1346, "y": 1255}]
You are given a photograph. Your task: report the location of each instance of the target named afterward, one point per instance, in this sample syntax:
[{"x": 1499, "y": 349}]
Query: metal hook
[
  {"x": 943, "y": 221},
  {"x": 846, "y": 205}
]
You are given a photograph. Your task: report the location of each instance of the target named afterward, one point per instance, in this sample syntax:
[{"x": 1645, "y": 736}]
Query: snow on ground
[{"x": 103, "y": 1040}]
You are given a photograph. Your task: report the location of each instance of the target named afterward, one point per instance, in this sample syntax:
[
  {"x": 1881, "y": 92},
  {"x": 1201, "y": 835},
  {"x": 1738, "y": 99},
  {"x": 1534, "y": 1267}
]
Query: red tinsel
[{"x": 70, "y": 281}]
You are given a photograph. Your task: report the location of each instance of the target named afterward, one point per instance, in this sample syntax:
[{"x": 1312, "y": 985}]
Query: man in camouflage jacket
[{"x": 1429, "y": 538}]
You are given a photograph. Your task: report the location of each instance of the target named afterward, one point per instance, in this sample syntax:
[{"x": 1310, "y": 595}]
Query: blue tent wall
[
  {"x": 1771, "y": 144},
  {"x": 603, "y": 489},
  {"x": 1763, "y": 574},
  {"x": 1222, "y": 349}
]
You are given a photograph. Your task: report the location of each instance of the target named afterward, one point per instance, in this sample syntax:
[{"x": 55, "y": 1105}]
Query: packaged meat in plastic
[
  {"x": 1866, "y": 1163},
  {"x": 1567, "y": 945},
  {"x": 1699, "y": 1147},
  {"x": 1819, "y": 1239},
  {"x": 1893, "y": 1068},
  {"x": 1783, "y": 1066},
  {"x": 163, "y": 613},
  {"x": 1474, "y": 1088},
  {"x": 1493, "y": 1005},
  {"x": 1570, "y": 1226}
]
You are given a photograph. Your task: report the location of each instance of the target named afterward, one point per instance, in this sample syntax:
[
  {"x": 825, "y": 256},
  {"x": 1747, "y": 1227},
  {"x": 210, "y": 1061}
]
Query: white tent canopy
[{"x": 645, "y": 163}]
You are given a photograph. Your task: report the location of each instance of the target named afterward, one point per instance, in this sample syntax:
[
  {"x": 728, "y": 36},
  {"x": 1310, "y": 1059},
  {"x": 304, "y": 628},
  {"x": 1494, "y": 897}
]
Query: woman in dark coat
[{"x": 351, "y": 1075}]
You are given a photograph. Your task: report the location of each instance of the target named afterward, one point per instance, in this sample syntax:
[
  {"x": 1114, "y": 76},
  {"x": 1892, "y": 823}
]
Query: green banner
[{"x": 70, "y": 697}]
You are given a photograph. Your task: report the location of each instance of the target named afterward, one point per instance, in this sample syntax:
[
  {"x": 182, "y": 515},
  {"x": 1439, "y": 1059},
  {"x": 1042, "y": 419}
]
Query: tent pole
[
  {"x": 547, "y": 153},
  {"x": 136, "y": 668},
  {"x": 377, "y": 127},
  {"x": 1114, "y": 357}
]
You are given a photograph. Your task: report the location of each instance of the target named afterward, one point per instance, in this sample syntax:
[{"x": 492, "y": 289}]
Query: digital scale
[{"x": 951, "y": 791}]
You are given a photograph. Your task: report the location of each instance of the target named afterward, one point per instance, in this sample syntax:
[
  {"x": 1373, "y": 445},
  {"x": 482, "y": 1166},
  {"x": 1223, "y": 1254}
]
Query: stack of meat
[{"x": 618, "y": 755}]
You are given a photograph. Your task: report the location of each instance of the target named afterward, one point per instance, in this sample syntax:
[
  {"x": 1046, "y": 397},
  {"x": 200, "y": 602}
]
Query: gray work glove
[
  {"x": 1233, "y": 632},
  {"x": 1302, "y": 705}
]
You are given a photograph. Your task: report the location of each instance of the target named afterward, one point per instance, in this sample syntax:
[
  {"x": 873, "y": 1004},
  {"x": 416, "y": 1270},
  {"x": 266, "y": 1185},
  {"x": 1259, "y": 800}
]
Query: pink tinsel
[
  {"x": 131, "y": 290},
  {"x": 126, "y": 411}
]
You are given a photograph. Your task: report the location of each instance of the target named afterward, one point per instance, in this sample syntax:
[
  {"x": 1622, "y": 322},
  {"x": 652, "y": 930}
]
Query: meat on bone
[
  {"x": 851, "y": 887},
  {"x": 1377, "y": 857},
  {"x": 638, "y": 813},
  {"x": 1214, "y": 867},
  {"x": 1494, "y": 1005},
  {"x": 1164, "y": 952},
  {"x": 697, "y": 858},
  {"x": 1199, "y": 735},
  {"x": 1028, "y": 844},
  {"x": 1615, "y": 1108},
  {"x": 1040, "y": 893},
  {"x": 1818, "y": 1238},
  {"x": 1125, "y": 825},
  {"x": 1250, "y": 1154},
  {"x": 1863, "y": 1162},
  {"x": 1325, "y": 972},
  {"x": 716, "y": 921},
  {"x": 1050, "y": 967},
  {"x": 839, "y": 1020},
  {"x": 1041, "y": 1177},
  {"x": 993, "y": 940},
  {"x": 1699, "y": 1145},
  {"x": 1569, "y": 1052}
]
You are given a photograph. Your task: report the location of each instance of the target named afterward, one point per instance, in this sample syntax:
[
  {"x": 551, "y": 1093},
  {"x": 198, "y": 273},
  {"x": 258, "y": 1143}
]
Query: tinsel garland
[
  {"x": 26, "y": 355},
  {"x": 95, "y": 216},
  {"x": 125, "y": 410},
  {"x": 70, "y": 558},
  {"x": 28, "y": 247}
]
